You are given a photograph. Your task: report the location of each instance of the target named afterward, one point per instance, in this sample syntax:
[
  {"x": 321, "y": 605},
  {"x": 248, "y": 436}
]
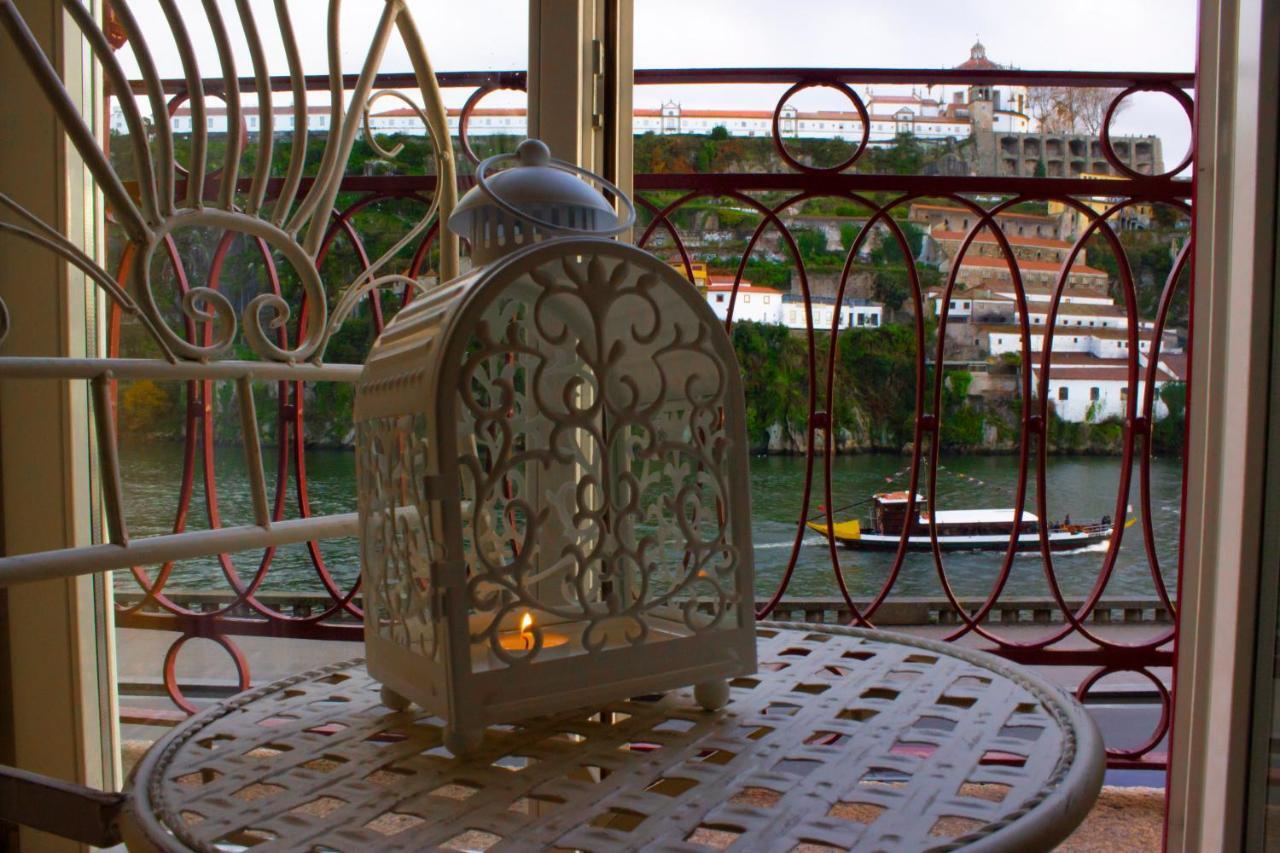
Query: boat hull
[{"x": 1058, "y": 541}]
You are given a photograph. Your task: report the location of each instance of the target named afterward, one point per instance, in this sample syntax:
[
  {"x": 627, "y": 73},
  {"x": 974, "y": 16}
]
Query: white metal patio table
[{"x": 846, "y": 739}]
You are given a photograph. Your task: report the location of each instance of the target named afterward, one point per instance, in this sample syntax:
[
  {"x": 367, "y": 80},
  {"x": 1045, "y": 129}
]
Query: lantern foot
[
  {"x": 392, "y": 699},
  {"x": 712, "y": 695},
  {"x": 463, "y": 742}
]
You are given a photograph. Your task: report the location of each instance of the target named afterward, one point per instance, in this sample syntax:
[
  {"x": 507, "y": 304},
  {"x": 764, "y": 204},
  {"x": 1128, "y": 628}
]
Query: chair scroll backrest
[{"x": 265, "y": 190}]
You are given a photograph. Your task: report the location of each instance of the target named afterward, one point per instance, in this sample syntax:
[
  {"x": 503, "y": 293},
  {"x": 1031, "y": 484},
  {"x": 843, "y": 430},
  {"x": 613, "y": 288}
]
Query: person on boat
[
  {"x": 1067, "y": 521},
  {"x": 1106, "y": 521}
]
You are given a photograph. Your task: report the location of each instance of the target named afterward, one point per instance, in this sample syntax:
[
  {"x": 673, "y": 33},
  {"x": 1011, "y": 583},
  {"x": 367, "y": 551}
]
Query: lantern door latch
[
  {"x": 436, "y": 487},
  {"x": 445, "y": 575}
]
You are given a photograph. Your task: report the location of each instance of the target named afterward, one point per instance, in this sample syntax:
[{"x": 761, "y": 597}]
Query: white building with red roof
[
  {"x": 767, "y": 305},
  {"x": 751, "y": 302},
  {"x": 1094, "y": 389},
  {"x": 927, "y": 112}
]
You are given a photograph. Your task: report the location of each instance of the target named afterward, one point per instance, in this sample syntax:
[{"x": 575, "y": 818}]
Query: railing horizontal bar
[
  {"x": 18, "y": 367},
  {"x": 196, "y": 624},
  {"x": 1116, "y": 657},
  {"x": 1008, "y": 76},
  {"x": 691, "y": 76},
  {"x": 1153, "y": 188},
  {"x": 155, "y": 550},
  {"x": 1146, "y": 188},
  {"x": 825, "y": 603}
]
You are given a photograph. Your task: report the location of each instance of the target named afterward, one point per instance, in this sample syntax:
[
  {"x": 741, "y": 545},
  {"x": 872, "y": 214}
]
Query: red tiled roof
[
  {"x": 1177, "y": 365},
  {"x": 825, "y": 115},
  {"x": 901, "y": 99},
  {"x": 1078, "y": 309},
  {"x": 1108, "y": 333},
  {"x": 1082, "y": 359},
  {"x": 985, "y": 236},
  {"x": 971, "y": 64},
  {"x": 724, "y": 284},
  {"x": 997, "y": 290},
  {"x": 978, "y": 58},
  {"x": 1099, "y": 374},
  {"x": 1038, "y": 266},
  {"x": 405, "y": 112},
  {"x": 284, "y": 111},
  {"x": 745, "y": 288},
  {"x": 1047, "y": 290},
  {"x": 766, "y": 114},
  {"x": 924, "y": 119}
]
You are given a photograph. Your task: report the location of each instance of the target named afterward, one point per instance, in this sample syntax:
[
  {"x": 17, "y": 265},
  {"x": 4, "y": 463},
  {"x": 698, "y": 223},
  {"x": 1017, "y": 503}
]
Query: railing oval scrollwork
[
  {"x": 779, "y": 141},
  {"x": 1077, "y": 618}
]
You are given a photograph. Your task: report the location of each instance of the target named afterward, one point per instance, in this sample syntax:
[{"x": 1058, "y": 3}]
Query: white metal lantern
[{"x": 554, "y": 502}]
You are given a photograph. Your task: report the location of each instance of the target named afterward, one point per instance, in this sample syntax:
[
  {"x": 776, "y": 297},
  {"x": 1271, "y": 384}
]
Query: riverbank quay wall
[{"x": 821, "y": 610}]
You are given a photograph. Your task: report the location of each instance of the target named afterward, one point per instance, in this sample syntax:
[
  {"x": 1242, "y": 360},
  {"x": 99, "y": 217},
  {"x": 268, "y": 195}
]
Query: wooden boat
[{"x": 957, "y": 530}]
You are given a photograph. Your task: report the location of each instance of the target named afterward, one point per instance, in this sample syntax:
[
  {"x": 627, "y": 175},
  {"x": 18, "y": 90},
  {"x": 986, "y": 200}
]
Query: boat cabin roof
[
  {"x": 978, "y": 516},
  {"x": 898, "y": 498}
]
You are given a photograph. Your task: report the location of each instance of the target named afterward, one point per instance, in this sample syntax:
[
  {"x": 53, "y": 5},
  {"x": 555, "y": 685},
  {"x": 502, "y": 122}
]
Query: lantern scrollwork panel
[{"x": 554, "y": 485}]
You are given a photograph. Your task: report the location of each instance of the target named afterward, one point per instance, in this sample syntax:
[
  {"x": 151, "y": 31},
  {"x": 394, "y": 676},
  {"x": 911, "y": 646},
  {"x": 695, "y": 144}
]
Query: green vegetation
[
  {"x": 1150, "y": 258},
  {"x": 720, "y": 152},
  {"x": 1168, "y": 433},
  {"x": 873, "y": 405}
]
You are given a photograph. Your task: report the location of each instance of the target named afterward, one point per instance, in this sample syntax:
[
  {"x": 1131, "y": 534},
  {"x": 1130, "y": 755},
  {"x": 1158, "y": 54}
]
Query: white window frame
[
  {"x": 1228, "y": 544},
  {"x": 58, "y": 695}
]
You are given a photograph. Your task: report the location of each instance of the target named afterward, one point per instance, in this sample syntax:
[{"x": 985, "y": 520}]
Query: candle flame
[{"x": 526, "y": 622}]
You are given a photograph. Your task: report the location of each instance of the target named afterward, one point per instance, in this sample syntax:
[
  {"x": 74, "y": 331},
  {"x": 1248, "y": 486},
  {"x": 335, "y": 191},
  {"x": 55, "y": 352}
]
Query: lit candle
[{"x": 523, "y": 640}]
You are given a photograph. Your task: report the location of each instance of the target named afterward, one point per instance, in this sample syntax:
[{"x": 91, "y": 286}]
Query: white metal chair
[{"x": 287, "y": 212}]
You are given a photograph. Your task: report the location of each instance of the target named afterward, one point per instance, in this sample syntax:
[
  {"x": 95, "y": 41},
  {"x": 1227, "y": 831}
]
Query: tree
[
  {"x": 811, "y": 242},
  {"x": 1071, "y": 109},
  {"x": 906, "y": 156},
  {"x": 706, "y": 156},
  {"x": 719, "y": 133},
  {"x": 889, "y": 252},
  {"x": 143, "y": 406},
  {"x": 849, "y": 232},
  {"x": 879, "y": 366},
  {"x": 1167, "y": 433}
]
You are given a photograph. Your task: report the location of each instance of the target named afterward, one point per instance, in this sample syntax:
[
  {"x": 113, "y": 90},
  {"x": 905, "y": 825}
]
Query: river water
[{"x": 1082, "y": 487}]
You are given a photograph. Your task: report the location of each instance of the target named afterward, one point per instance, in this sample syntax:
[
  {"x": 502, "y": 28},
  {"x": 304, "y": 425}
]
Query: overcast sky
[{"x": 1111, "y": 35}]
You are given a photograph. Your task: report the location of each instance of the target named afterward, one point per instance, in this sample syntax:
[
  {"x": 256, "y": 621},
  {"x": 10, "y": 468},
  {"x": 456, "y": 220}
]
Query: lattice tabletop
[{"x": 845, "y": 739}]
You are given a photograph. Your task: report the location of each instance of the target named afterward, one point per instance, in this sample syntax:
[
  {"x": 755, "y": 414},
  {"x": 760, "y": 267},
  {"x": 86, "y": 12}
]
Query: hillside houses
[
  {"x": 1093, "y": 340},
  {"x": 767, "y": 305}
]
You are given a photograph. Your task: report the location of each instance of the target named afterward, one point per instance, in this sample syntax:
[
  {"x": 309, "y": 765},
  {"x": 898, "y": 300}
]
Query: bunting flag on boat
[{"x": 898, "y": 475}]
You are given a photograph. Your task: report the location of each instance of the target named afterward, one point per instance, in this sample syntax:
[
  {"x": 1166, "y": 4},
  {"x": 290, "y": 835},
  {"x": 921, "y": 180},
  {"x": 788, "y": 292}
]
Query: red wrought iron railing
[
  {"x": 1073, "y": 641},
  {"x": 1068, "y": 628}
]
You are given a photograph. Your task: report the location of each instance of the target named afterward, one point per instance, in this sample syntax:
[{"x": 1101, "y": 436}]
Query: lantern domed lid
[{"x": 538, "y": 198}]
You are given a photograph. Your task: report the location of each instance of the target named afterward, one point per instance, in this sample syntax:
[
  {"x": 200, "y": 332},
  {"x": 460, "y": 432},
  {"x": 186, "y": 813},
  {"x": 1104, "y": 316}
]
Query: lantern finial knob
[
  {"x": 540, "y": 198},
  {"x": 533, "y": 152}
]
